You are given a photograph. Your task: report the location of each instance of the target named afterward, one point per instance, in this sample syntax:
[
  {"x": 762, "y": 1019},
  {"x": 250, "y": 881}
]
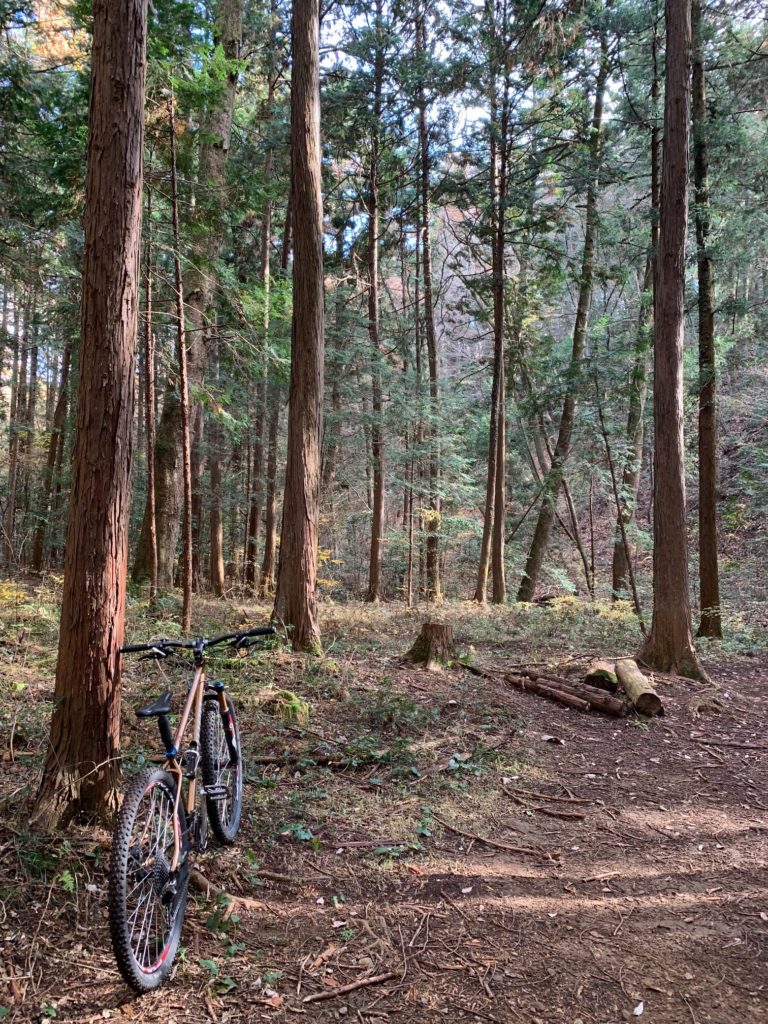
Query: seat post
[{"x": 166, "y": 735}]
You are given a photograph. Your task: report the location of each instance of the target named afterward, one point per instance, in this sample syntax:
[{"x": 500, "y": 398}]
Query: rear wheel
[
  {"x": 222, "y": 765},
  {"x": 147, "y": 900}
]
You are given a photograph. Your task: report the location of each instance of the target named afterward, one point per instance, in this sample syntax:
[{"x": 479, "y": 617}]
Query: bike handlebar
[{"x": 162, "y": 645}]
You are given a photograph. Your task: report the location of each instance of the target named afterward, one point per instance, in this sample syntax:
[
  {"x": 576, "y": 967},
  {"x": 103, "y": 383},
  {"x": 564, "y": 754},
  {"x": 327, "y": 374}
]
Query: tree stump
[
  {"x": 638, "y": 689},
  {"x": 433, "y": 647}
]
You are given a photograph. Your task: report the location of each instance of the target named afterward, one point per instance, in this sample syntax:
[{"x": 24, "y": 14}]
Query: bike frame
[{"x": 192, "y": 708}]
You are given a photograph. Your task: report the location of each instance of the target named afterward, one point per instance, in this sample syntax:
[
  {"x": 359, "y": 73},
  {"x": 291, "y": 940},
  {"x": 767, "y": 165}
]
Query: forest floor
[{"x": 411, "y": 820}]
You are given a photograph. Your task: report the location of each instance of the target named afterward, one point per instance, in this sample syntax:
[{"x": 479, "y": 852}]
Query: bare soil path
[{"x": 450, "y": 848}]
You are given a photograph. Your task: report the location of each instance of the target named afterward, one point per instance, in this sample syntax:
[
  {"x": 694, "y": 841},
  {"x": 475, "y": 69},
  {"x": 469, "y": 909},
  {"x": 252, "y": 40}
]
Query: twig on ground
[
  {"x": 547, "y": 796},
  {"x": 342, "y": 990},
  {"x": 204, "y": 885},
  {"x": 529, "y": 851}
]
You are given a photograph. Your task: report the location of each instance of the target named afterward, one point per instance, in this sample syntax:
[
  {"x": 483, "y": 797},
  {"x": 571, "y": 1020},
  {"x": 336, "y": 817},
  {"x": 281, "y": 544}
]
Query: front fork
[{"x": 227, "y": 720}]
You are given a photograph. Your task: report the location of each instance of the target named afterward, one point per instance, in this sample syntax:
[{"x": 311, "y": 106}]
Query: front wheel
[
  {"x": 147, "y": 899},
  {"x": 222, "y": 764}
]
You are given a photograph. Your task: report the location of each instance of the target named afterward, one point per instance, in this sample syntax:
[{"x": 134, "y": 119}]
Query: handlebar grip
[{"x": 132, "y": 648}]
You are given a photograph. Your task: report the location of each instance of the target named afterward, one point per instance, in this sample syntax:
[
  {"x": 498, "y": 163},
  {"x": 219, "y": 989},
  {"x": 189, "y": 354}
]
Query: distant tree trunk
[
  {"x": 256, "y": 488},
  {"x": 484, "y": 565},
  {"x": 638, "y": 390},
  {"x": 554, "y": 477},
  {"x": 295, "y": 600},
  {"x": 18, "y": 386},
  {"x": 267, "y": 582},
  {"x": 59, "y": 420},
  {"x": 377, "y": 419},
  {"x": 149, "y": 407},
  {"x": 181, "y": 356},
  {"x": 82, "y": 766},
  {"x": 709, "y": 577},
  {"x": 499, "y": 274},
  {"x": 669, "y": 648},
  {"x": 433, "y": 590},
  {"x": 214, "y": 152},
  {"x": 197, "y": 440},
  {"x": 30, "y": 416},
  {"x": 216, "y": 573},
  {"x": 268, "y": 567}
]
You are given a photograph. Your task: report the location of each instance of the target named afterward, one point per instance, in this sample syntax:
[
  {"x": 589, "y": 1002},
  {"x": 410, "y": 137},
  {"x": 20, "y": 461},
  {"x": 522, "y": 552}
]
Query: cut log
[
  {"x": 542, "y": 690},
  {"x": 602, "y": 674},
  {"x": 598, "y": 699},
  {"x": 433, "y": 647},
  {"x": 637, "y": 687}
]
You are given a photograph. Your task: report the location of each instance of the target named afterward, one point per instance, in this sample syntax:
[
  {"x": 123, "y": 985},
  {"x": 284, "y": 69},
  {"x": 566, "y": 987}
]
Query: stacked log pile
[{"x": 599, "y": 690}]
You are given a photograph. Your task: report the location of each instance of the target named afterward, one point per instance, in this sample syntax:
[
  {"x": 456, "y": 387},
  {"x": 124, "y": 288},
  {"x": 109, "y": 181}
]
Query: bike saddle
[{"x": 161, "y": 706}]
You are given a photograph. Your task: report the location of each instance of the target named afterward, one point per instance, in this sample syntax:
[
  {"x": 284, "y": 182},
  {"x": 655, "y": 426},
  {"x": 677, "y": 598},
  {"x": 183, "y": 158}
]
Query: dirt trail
[{"x": 642, "y": 895}]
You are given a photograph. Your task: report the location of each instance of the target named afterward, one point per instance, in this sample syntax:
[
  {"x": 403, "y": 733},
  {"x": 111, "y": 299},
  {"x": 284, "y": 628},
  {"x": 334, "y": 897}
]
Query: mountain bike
[{"x": 166, "y": 811}]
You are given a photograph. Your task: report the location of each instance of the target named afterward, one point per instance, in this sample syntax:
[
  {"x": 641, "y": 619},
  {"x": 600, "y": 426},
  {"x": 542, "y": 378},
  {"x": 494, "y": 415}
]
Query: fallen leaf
[
  {"x": 467, "y": 889},
  {"x": 637, "y": 1012},
  {"x": 546, "y": 738}
]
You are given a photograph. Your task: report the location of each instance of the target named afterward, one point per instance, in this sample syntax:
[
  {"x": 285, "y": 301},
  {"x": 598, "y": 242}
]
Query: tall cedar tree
[
  {"x": 433, "y": 589},
  {"x": 669, "y": 648},
  {"x": 555, "y": 477},
  {"x": 492, "y": 546},
  {"x": 709, "y": 577},
  {"x": 82, "y": 767},
  {"x": 295, "y": 601},
  {"x": 638, "y": 385},
  {"x": 377, "y": 420},
  {"x": 200, "y": 285}
]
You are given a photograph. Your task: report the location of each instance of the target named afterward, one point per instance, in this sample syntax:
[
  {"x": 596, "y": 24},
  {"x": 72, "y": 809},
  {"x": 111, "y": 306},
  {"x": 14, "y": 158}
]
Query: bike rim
[{"x": 151, "y": 897}]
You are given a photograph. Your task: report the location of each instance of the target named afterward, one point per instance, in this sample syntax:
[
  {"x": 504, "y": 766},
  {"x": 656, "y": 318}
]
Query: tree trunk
[
  {"x": 82, "y": 766},
  {"x": 499, "y": 590},
  {"x": 149, "y": 409},
  {"x": 216, "y": 566},
  {"x": 377, "y": 418},
  {"x": 638, "y": 390},
  {"x": 59, "y": 420},
  {"x": 562, "y": 447},
  {"x": 267, "y": 582},
  {"x": 197, "y": 440},
  {"x": 214, "y": 151},
  {"x": 484, "y": 565},
  {"x": 28, "y": 438},
  {"x": 296, "y": 601},
  {"x": 181, "y": 357},
  {"x": 15, "y": 416},
  {"x": 669, "y": 648},
  {"x": 268, "y": 567},
  {"x": 709, "y": 577},
  {"x": 433, "y": 590}
]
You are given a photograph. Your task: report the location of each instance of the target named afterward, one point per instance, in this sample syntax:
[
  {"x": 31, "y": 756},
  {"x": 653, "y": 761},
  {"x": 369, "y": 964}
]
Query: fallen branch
[
  {"x": 342, "y": 990},
  {"x": 551, "y": 812},
  {"x": 547, "y": 796},
  {"x": 529, "y": 851},
  {"x": 209, "y": 890},
  {"x": 728, "y": 743}
]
